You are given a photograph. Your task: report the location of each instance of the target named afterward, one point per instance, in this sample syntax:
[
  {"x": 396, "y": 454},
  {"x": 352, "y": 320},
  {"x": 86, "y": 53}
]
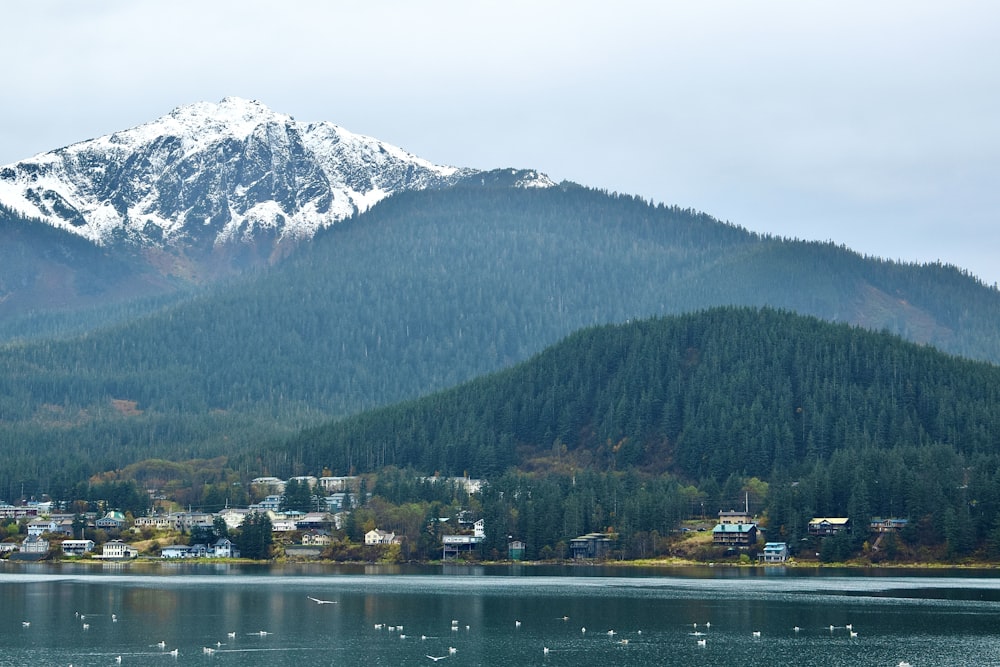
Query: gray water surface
[{"x": 213, "y": 614}]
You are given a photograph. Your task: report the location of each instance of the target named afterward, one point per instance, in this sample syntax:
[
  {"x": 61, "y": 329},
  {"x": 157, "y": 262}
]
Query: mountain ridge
[{"x": 217, "y": 172}]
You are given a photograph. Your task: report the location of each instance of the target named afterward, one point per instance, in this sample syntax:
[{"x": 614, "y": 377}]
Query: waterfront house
[
  {"x": 174, "y": 551},
  {"x": 453, "y": 545},
  {"x": 592, "y": 546},
  {"x": 774, "y": 552},
  {"x": 375, "y": 536},
  {"x": 224, "y": 548},
  {"x": 741, "y": 535},
  {"x": 33, "y": 544},
  {"x": 118, "y": 550},
  {"x": 77, "y": 547}
]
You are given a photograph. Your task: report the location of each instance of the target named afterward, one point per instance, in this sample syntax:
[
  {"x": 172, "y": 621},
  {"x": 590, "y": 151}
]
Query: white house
[
  {"x": 775, "y": 552},
  {"x": 234, "y": 517},
  {"x": 224, "y": 549},
  {"x": 283, "y": 525},
  {"x": 118, "y": 550},
  {"x": 38, "y": 526},
  {"x": 376, "y": 536},
  {"x": 174, "y": 551}
]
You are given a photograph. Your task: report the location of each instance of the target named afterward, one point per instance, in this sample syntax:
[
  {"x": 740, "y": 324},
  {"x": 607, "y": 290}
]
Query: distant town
[{"x": 313, "y": 518}]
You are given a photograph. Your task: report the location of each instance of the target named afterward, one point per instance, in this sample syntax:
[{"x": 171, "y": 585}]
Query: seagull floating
[
  {"x": 25, "y": 624},
  {"x": 161, "y": 644},
  {"x": 545, "y": 650},
  {"x": 318, "y": 601},
  {"x": 756, "y": 633},
  {"x": 174, "y": 653},
  {"x": 452, "y": 650},
  {"x": 517, "y": 624},
  {"x": 231, "y": 635},
  {"x": 702, "y": 642}
]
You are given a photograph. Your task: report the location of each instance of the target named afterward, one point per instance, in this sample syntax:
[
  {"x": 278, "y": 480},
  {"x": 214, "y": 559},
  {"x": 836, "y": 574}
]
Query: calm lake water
[{"x": 214, "y": 614}]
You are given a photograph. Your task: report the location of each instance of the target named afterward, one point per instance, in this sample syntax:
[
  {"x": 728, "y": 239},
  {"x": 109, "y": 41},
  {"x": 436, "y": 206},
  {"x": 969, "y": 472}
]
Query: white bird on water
[
  {"x": 702, "y": 642},
  {"x": 231, "y": 635},
  {"x": 25, "y": 624},
  {"x": 756, "y": 633},
  {"x": 318, "y": 601},
  {"x": 452, "y": 650}
]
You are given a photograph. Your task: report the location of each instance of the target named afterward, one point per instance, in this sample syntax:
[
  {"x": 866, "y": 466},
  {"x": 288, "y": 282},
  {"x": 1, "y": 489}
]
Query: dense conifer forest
[
  {"x": 431, "y": 289},
  {"x": 636, "y": 427}
]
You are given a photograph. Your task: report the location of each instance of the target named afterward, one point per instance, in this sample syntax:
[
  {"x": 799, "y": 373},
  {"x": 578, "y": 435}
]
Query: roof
[
  {"x": 734, "y": 528},
  {"x": 834, "y": 520}
]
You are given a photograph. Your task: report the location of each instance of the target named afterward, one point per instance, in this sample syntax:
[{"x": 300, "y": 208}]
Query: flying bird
[{"x": 318, "y": 601}]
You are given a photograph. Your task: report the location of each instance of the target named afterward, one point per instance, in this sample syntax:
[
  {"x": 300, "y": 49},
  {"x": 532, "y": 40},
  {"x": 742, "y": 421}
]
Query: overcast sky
[{"x": 872, "y": 124}]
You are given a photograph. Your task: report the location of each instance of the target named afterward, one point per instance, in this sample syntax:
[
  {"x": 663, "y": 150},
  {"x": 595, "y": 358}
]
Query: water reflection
[{"x": 256, "y": 614}]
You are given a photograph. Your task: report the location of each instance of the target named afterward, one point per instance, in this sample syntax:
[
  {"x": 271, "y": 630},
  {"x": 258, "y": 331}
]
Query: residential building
[
  {"x": 77, "y": 547},
  {"x": 453, "y": 545},
  {"x": 17, "y": 512},
  {"x": 33, "y": 544},
  {"x": 304, "y": 479},
  {"x": 774, "y": 552},
  {"x": 592, "y": 546},
  {"x": 376, "y": 536},
  {"x": 741, "y": 535},
  {"x": 823, "y": 526},
  {"x": 118, "y": 550},
  {"x": 314, "y": 521},
  {"x": 113, "y": 520},
  {"x": 879, "y": 525},
  {"x": 158, "y": 522},
  {"x": 224, "y": 548},
  {"x": 174, "y": 551},
  {"x": 234, "y": 517},
  {"x": 271, "y": 484},
  {"x": 734, "y": 517},
  {"x": 316, "y": 538},
  {"x": 336, "y": 484}
]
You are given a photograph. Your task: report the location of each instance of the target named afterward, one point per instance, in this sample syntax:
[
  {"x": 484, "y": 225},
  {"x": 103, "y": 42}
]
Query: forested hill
[
  {"x": 729, "y": 391},
  {"x": 425, "y": 291}
]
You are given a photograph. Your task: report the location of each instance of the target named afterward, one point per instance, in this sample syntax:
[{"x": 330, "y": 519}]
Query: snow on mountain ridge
[{"x": 215, "y": 171}]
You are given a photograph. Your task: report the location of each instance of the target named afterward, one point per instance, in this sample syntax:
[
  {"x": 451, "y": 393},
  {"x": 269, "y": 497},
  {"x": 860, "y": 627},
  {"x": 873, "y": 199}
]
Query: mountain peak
[{"x": 214, "y": 173}]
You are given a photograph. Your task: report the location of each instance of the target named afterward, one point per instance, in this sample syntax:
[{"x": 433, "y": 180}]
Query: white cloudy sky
[{"x": 872, "y": 124}]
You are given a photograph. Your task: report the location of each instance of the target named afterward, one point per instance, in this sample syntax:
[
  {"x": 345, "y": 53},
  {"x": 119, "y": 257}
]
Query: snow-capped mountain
[{"x": 216, "y": 173}]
